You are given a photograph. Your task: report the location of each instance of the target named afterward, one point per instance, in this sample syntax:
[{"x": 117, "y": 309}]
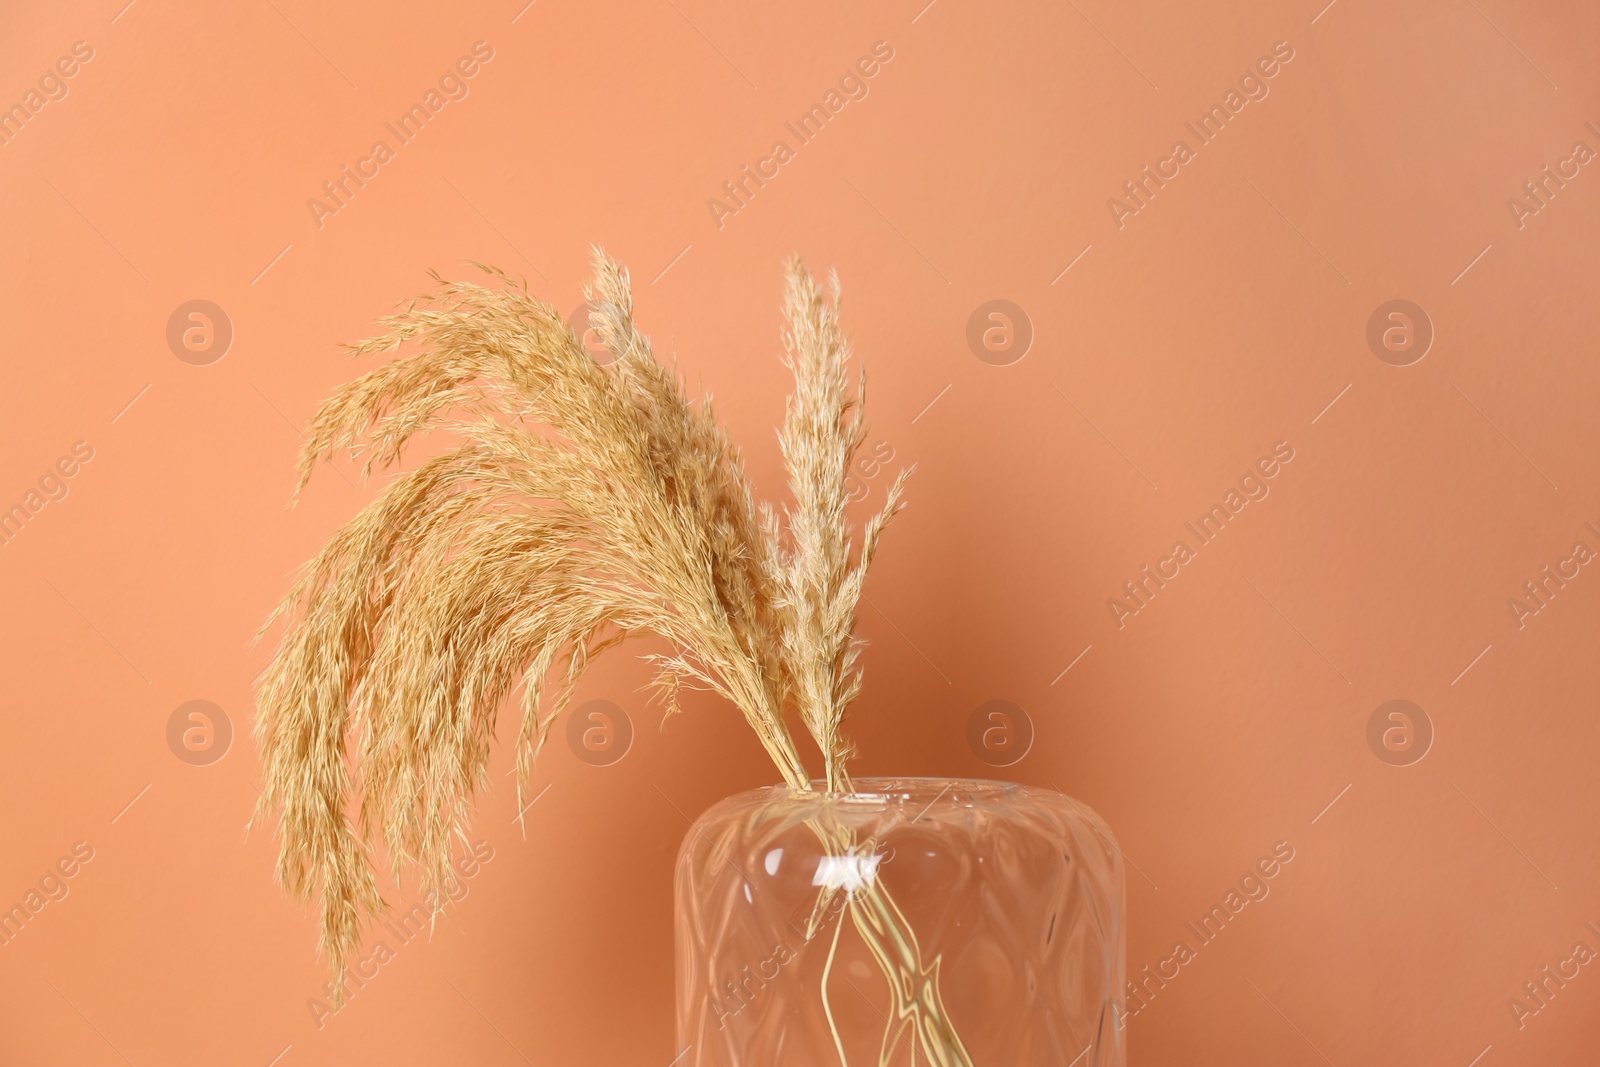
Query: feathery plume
[
  {"x": 579, "y": 505},
  {"x": 821, "y": 586}
]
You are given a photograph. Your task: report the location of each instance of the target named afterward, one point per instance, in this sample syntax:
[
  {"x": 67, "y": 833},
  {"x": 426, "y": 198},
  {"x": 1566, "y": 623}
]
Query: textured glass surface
[{"x": 980, "y": 922}]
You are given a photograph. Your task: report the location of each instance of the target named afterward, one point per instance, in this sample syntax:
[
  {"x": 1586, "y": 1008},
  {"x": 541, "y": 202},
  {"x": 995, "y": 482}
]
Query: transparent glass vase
[{"x": 953, "y": 923}]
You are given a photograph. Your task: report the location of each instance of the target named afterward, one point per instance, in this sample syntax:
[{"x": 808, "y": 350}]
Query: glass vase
[{"x": 952, "y": 923}]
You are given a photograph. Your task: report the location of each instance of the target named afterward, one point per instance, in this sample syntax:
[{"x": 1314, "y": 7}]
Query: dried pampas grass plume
[
  {"x": 820, "y": 584},
  {"x": 579, "y": 505}
]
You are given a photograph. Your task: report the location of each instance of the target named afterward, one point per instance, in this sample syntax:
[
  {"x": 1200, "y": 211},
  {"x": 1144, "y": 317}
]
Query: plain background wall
[{"x": 1225, "y": 316}]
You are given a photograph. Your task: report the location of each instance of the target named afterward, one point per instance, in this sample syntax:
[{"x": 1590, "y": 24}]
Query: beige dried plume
[
  {"x": 820, "y": 583},
  {"x": 579, "y": 505}
]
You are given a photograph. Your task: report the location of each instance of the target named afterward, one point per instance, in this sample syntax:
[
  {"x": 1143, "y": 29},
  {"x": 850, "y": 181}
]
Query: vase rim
[
  {"x": 885, "y": 786},
  {"x": 925, "y": 779}
]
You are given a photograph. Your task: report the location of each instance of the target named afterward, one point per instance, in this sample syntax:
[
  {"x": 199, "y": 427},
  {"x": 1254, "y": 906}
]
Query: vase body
[{"x": 950, "y": 923}]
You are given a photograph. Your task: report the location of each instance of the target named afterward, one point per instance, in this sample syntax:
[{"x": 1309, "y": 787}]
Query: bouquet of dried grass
[{"x": 582, "y": 504}]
